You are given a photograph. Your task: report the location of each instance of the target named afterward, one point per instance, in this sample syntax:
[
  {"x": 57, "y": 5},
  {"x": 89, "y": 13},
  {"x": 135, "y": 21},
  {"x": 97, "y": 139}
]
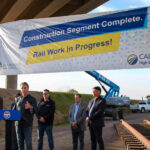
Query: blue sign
[
  {"x": 116, "y": 22},
  {"x": 9, "y": 115}
]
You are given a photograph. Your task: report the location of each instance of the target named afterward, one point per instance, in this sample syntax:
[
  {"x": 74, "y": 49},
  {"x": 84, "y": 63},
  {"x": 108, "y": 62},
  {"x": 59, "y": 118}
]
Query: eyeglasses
[{"x": 45, "y": 93}]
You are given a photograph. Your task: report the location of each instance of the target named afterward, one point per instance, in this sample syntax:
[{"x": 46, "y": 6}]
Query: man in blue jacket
[{"x": 95, "y": 119}]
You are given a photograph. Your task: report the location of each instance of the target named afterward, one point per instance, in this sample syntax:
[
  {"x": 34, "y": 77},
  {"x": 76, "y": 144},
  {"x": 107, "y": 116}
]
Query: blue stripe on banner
[
  {"x": 116, "y": 22},
  {"x": 9, "y": 115}
]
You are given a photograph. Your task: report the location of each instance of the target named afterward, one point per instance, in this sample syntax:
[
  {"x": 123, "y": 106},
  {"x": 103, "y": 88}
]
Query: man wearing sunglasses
[{"x": 45, "y": 114}]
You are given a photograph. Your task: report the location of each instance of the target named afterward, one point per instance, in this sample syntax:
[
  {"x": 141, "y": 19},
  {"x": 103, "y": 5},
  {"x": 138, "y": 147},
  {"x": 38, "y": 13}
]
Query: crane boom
[{"x": 113, "y": 88}]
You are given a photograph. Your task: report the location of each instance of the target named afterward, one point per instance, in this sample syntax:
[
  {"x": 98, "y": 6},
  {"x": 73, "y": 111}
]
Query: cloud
[
  {"x": 146, "y": 2},
  {"x": 133, "y": 6},
  {"x": 140, "y": 2},
  {"x": 102, "y": 9}
]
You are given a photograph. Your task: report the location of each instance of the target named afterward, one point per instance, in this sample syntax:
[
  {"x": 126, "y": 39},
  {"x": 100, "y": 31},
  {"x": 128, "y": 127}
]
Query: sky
[{"x": 134, "y": 83}]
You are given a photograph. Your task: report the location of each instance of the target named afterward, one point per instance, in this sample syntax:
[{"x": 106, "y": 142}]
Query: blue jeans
[
  {"x": 24, "y": 134},
  {"x": 48, "y": 129}
]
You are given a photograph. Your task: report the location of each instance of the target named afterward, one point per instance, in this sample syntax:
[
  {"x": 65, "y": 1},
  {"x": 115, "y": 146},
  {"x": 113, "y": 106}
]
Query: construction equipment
[{"x": 114, "y": 103}]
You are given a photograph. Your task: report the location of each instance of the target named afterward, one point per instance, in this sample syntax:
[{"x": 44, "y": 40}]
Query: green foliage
[
  {"x": 63, "y": 100},
  {"x": 133, "y": 101}
]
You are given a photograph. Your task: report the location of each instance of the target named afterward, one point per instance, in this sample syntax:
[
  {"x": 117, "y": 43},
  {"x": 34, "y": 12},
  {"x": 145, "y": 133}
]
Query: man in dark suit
[
  {"x": 95, "y": 119},
  {"x": 77, "y": 116}
]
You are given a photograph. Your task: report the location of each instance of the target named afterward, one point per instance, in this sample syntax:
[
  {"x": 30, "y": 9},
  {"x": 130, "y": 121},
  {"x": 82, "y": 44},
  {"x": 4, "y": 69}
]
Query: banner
[{"x": 101, "y": 41}]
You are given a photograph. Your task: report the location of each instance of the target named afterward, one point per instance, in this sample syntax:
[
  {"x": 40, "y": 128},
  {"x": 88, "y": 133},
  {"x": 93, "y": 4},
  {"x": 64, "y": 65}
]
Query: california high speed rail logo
[{"x": 132, "y": 59}]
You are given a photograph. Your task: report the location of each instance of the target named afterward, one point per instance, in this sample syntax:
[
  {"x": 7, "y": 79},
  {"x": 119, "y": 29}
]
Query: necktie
[
  {"x": 76, "y": 110},
  {"x": 92, "y": 107}
]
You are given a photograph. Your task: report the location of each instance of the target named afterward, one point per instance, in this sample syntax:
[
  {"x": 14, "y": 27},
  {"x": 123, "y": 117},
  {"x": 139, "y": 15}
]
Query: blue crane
[{"x": 113, "y": 90}]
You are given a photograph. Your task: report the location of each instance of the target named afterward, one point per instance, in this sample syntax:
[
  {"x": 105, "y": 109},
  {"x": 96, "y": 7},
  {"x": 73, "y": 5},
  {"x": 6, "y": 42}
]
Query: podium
[
  {"x": 9, "y": 115},
  {"x": 10, "y": 135}
]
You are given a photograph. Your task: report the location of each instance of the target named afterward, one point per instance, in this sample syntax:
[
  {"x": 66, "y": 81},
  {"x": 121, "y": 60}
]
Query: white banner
[{"x": 102, "y": 41}]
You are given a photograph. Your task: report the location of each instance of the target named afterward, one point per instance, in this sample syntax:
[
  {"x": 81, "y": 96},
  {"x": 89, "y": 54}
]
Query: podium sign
[{"x": 9, "y": 115}]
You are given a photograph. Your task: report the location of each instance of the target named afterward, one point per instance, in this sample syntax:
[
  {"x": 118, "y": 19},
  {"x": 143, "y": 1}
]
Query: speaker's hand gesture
[{"x": 28, "y": 105}]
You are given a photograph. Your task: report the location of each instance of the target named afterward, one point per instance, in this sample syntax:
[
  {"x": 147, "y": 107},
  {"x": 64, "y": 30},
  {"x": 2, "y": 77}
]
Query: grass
[
  {"x": 61, "y": 123},
  {"x": 64, "y": 100}
]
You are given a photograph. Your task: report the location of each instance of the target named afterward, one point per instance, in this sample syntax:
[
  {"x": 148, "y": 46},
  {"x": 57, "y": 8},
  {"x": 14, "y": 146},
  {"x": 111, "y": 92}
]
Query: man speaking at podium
[{"x": 27, "y": 106}]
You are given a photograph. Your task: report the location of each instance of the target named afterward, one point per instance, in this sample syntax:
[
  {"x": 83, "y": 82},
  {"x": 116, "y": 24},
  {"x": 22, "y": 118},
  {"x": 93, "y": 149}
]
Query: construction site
[{"x": 51, "y": 36}]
